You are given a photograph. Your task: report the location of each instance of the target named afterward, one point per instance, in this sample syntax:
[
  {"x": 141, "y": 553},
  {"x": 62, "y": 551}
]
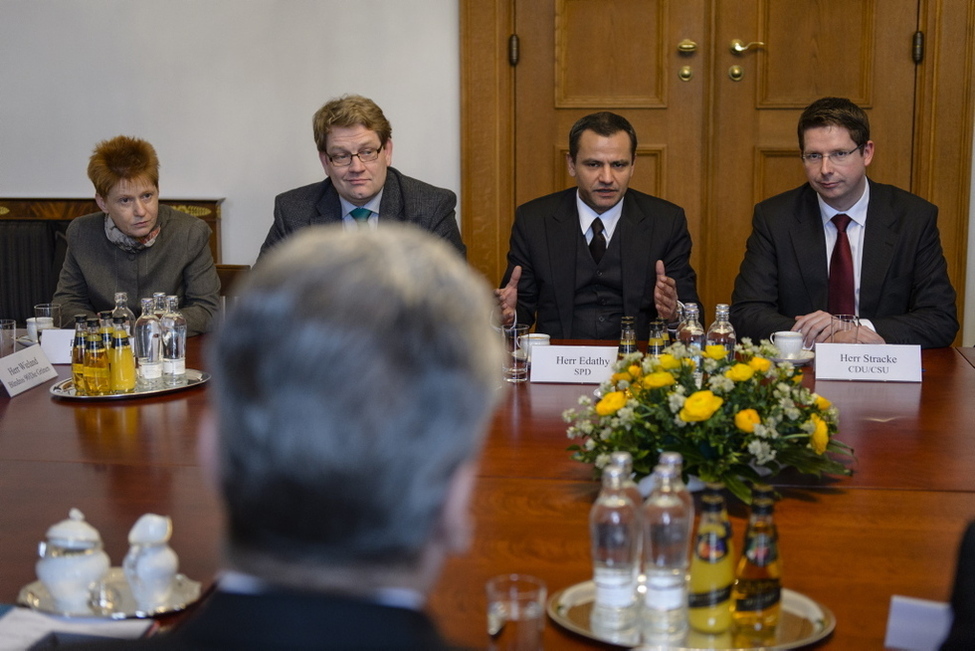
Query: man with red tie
[{"x": 844, "y": 244}]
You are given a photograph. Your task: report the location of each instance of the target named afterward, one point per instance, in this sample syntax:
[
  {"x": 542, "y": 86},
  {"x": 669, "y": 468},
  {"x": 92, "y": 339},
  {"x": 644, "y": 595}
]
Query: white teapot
[
  {"x": 72, "y": 563},
  {"x": 151, "y": 564}
]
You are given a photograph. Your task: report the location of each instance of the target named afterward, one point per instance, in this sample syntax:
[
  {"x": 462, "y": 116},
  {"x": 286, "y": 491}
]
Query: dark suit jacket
[
  {"x": 904, "y": 286},
  {"x": 404, "y": 199},
  {"x": 544, "y": 241},
  {"x": 293, "y": 621},
  {"x": 961, "y": 637}
]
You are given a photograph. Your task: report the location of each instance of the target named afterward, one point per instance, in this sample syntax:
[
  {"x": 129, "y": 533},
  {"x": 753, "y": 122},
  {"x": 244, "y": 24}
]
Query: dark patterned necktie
[
  {"x": 597, "y": 246},
  {"x": 841, "y": 290}
]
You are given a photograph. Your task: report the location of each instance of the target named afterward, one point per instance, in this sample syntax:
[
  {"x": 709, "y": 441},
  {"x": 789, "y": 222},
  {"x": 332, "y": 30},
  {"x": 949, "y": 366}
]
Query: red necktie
[
  {"x": 597, "y": 246},
  {"x": 841, "y": 290}
]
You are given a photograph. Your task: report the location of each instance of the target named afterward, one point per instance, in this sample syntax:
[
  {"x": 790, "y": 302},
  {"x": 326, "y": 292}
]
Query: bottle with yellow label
[
  {"x": 97, "y": 375},
  {"x": 712, "y": 567},
  {"x": 757, "y": 593},
  {"x": 122, "y": 360}
]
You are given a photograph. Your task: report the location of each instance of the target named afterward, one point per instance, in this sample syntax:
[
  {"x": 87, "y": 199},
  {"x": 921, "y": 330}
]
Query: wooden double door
[{"x": 714, "y": 89}]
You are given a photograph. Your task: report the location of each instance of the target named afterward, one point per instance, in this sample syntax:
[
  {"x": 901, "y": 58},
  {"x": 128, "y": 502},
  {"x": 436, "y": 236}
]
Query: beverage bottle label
[{"x": 614, "y": 589}]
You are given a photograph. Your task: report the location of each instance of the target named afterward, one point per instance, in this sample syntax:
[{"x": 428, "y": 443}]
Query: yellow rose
[
  {"x": 611, "y": 403},
  {"x": 822, "y": 404},
  {"x": 747, "y": 419},
  {"x": 820, "y": 436},
  {"x": 687, "y": 361},
  {"x": 699, "y": 406},
  {"x": 635, "y": 371},
  {"x": 668, "y": 362},
  {"x": 740, "y": 373},
  {"x": 760, "y": 364},
  {"x": 658, "y": 380},
  {"x": 715, "y": 351},
  {"x": 620, "y": 377}
]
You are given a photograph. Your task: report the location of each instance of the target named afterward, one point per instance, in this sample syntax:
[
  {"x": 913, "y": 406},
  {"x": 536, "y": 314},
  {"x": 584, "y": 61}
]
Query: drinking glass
[
  {"x": 844, "y": 323},
  {"x": 516, "y": 612},
  {"x": 8, "y": 334},
  {"x": 516, "y": 356},
  {"x": 48, "y": 315}
]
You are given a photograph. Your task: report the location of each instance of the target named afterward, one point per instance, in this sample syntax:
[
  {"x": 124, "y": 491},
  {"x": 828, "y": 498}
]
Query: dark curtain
[{"x": 31, "y": 255}]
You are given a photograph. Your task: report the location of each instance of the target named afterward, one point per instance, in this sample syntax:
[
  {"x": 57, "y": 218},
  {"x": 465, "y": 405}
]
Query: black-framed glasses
[
  {"x": 836, "y": 157},
  {"x": 366, "y": 155}
]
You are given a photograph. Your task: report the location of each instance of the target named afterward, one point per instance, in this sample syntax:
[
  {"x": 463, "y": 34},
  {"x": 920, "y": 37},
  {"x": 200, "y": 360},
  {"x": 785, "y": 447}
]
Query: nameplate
[
  {"x": 57, "y": 345},
  {"x": 572, "y": 364},
  {"x": 25, "y": 369},
  {"x": 870, "y": 362}
]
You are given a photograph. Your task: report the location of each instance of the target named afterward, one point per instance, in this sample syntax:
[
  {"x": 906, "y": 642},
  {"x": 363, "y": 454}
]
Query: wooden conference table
[{"x": 849, "y": 542}]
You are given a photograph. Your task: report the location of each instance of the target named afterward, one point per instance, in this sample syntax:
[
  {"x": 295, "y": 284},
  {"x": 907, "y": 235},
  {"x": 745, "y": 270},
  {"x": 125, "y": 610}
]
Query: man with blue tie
[
  {"x": 355, "y": 146},
  {"x": 582, "y": 258},
  {"x": 844, "y": 244}
]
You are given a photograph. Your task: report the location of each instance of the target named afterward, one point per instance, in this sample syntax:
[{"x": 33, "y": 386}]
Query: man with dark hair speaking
[{"x": 582, "y": 258}]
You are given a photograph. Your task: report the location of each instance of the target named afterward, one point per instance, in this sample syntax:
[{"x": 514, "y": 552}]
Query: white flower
[
  {"x": 601, "y": 460},
  {"x": 720, "y": 384},
  {"x": 762, "y": 451},
  {"x": 589, "y": 445},
  {"x": 792, "y": 413},
  {"x": 626, "y": 415},
  {"x": 586, "y": 427},
  {"x": 676, "y": 401}
]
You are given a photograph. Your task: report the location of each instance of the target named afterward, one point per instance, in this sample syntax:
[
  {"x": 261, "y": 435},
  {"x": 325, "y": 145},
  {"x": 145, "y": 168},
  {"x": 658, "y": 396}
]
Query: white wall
[{"x": 224, "y": 89}]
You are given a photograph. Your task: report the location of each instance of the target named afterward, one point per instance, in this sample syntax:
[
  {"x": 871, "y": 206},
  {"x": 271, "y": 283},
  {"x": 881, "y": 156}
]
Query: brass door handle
[{"x": 738, "y": 46}]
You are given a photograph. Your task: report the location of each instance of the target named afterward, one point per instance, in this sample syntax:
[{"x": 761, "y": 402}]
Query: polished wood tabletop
[{"x": 850, "y": 543}]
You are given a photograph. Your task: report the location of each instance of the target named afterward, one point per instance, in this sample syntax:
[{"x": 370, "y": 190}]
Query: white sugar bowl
[{"x": 72, "y": 563}]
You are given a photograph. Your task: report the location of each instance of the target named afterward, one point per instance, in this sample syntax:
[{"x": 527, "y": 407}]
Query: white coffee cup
[
  {"x": 533, "y": 339},
  {"x": 788, "y": 342},
  {"x": 37, "y": 324}
]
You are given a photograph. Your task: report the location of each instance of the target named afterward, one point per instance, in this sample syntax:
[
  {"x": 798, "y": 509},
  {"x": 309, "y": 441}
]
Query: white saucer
[{"x": 803, "y": 358}]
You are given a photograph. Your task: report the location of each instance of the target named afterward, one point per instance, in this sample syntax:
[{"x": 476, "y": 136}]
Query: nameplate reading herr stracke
[
  {"x": 868, "y": 362},
  {"x": 572, "y": 364}
]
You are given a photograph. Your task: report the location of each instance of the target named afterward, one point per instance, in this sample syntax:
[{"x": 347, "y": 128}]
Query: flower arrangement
[{"x": 732, "y": 418}]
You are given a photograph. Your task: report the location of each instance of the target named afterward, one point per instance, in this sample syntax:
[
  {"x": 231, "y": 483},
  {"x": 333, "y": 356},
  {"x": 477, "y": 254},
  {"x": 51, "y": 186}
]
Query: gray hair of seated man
[{"x": 353, "y": 376}]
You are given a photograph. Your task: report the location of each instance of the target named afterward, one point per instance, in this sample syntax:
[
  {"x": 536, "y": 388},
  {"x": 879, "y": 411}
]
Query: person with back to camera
[{"x": 339, "y": 512}]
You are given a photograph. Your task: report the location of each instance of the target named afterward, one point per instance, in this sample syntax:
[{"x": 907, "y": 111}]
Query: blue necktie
[{"x": 360, "y": 214}]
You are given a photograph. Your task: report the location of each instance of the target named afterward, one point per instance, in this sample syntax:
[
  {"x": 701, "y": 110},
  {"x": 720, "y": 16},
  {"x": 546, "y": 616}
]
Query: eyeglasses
[
  {"x": 366, "y": 155},
  {"x": 837, "y": 157}
]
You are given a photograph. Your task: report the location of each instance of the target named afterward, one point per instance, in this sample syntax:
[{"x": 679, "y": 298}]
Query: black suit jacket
[
  {"x": 404, "y": 199},
  {"x": 904, "y": 285},
  {"x": 961, "y": 637},
  {"x": 292, "y": 621},
  {"x": 544, "y": 241}
]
